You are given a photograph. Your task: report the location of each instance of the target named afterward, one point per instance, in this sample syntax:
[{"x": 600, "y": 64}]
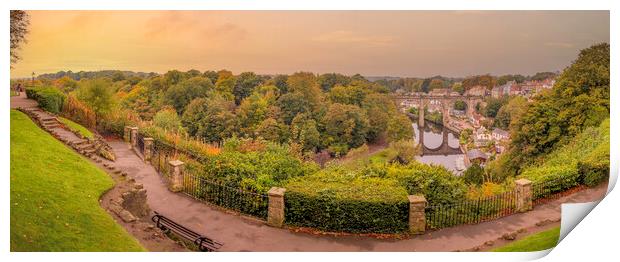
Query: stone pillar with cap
[
  {"x": 148, "y": 148},
  {"x": 524, "y": 195},
  {"x": 417, "y": 216},
  {"x": 127, "y": 134},
  {"x": 175, "y": 177},
  {"x": 134, "y": 137},
  {"x": 275, "y": 215}
]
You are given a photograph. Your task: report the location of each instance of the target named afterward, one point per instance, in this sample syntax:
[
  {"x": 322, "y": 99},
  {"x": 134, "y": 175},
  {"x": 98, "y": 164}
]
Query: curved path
[{"x": 239, "y": 233}]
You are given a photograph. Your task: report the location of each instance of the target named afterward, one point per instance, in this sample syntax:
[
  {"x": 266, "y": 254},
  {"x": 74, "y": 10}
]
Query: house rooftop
[
  {"x": 475, "y": 153},
  {"x": 501, "y": 132}
]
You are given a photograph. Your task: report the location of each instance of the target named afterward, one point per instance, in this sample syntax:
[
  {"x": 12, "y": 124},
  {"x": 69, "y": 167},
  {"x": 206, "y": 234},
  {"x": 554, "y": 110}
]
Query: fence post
[
  {"x": 524, "y": 195},
  {"x": 417, "y": 216},
  {"x": 127, "y": 134},
  {"x": 134, "y": 137},
  {"x": 275, "y": 214},
  {"x": 148, "y": 148},
  {"x": 175, "y": 180}
]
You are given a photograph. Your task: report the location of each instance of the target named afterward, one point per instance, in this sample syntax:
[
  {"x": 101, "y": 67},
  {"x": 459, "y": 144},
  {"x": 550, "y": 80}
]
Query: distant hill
[
  {"x": 376, "y": 78},
  {"x": 94, "y": 74}
]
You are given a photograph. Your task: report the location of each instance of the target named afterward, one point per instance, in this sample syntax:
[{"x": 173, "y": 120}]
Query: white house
[{"x": 500, "y": 134}]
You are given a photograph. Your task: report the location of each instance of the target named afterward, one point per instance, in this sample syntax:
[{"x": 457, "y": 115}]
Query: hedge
[
  {"x": 594, "y": 168},
  {"x": 330, "y": 213},
  {"x": 49, "y": 98}
]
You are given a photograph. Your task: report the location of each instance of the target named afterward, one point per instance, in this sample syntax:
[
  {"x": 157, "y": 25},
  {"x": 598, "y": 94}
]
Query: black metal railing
[
  {"x": 217, "y": 193},
  {"x": 140, "y": 142},
  {"x": 211, "y": 191},
  {"x": 544, "y": 191},
  {"x": 471, "y": 211}
]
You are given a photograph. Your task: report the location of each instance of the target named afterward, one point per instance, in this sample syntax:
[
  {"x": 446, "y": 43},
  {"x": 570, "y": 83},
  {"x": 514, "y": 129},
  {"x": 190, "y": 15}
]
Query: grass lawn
[
  {"x": 55, "y": 194},
  {"x": 77, "y": 127},
  {"x": 536, "y": 242}
]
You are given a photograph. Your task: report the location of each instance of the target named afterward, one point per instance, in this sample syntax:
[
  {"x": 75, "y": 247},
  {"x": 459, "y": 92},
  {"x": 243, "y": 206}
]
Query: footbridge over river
[{"x": 446, "y": 101}]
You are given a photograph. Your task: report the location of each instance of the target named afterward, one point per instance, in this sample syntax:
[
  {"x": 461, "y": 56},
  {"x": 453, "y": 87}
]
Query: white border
[{"x": 596, "y": 238}]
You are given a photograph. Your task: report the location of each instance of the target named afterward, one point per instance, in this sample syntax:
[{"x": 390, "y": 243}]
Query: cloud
[
  {"x": 350, "y": 37},
  {"x": 559, "y": 44},
  {"x": 173, "y": 24}
]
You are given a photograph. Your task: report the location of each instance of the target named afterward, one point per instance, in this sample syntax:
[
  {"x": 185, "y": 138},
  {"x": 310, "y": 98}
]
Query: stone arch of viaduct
[{"x": 446, "y": 102}]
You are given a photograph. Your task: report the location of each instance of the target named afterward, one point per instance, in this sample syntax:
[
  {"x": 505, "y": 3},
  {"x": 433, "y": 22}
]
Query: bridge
[
  {"x": 445, "y": 100},
  {"x": 443, "y": 150}
]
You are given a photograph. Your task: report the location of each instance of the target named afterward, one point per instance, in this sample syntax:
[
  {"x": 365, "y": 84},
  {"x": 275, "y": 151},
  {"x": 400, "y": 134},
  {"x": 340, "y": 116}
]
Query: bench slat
[{"x": 204, "y": 243}]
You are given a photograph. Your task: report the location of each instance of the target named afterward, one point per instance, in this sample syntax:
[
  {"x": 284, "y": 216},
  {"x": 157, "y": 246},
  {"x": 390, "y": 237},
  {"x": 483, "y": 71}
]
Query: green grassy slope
[
  {"x": 536, "y": 242},
  {"x": 77, "y": 127},
  {"x": 54, "y": 197}
]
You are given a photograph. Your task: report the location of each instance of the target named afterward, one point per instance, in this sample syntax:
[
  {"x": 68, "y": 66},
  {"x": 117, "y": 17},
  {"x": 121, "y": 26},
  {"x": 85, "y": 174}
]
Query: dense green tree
[
  {"x": 169, "y": 120},
  {"x": 458, "y": 87},
  {"x": 251, "y": 112},
  {"x": 292, "y": 104},
  {"x": 304, "y": 131},
  {"x": 346, "y": 124},
  {"x": 210, "y": 119},
  {"x": 212, "y": 75},
  {"x": 245, "y": 84},
  {"x": 350, "y": 95},
  {"x": 173, "y": 77},
  {"x": 399, "y": 128},
  {"x": 474, "y": 174},
  {"x": 460, "y": 105},
  {"x": 272, "y": 130},
  {"x": 98, "y": 95},
  {"x": 493, "y": 105},
  {"x": 305, "y": 83},
  {"x": 328, "y": 81},
  {"x": 184, "y": 92},
  {"x": 280, "y": 82},
  {"x": 510, "y": 112}
]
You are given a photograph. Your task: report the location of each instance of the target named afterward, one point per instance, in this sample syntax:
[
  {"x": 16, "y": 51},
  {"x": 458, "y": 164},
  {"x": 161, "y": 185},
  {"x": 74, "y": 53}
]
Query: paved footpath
[{"x": 239, "y": 233}]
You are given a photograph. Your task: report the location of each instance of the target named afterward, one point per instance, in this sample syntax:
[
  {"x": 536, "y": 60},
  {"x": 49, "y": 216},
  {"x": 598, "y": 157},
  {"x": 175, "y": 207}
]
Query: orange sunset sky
[{"x": 372, "y": 43}]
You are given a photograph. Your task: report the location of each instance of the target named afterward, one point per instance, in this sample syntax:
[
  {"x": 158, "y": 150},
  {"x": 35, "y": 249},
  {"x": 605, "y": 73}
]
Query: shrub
[
  {"x": 594, "y": 168},
  {"x": 79, "y": 112},
  {"x": 406, "y": 150},
  {"x": 115, "y": 122},
  {"x": 49, "y": 98},
  {"x": 337, "y": 200}
]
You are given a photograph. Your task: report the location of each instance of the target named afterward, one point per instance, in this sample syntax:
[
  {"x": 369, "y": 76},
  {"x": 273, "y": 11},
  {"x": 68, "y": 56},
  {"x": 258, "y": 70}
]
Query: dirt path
[{"x": 239, "y": 233}]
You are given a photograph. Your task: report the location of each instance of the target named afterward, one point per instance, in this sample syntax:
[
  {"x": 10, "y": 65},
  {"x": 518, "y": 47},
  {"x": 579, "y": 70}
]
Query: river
[{"x": 433, "y": 136}]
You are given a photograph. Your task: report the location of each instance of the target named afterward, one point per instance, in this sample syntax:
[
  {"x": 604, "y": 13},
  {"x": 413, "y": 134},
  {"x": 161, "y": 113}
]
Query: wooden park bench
[{"x": 167, "y": 225}]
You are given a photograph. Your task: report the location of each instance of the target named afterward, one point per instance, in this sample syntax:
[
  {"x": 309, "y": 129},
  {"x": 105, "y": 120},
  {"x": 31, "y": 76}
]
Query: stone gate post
[
  {"x": 417, "y": 216},
  {"x": 275, "y": 215},
  {"x": 175, "y": 177},
  {"x": 134, "y": 137},
  {"x": 127, "y": 134},
  {"x": 148, "y": 148},
  {"x": 524, "y": 195}
]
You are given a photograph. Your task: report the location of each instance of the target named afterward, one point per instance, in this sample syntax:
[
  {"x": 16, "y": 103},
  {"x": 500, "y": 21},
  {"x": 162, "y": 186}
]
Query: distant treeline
[{"x": 114, "y": 75}]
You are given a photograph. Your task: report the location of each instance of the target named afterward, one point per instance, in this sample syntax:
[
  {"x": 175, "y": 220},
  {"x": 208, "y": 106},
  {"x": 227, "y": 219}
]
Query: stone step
[
  {"x": 84, "y": 146},
  {"x": 79, "y": 142},
  {"x": 89, "y": 151},
  {"x": 49, "y": 119}
]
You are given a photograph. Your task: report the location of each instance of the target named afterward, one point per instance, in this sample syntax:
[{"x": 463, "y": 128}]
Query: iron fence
[
  {"x": 203, "y": 189},
  {"x": 229, "y": 197},
  {"x": 140, "y": 142},
  {"x": 471, "y": 211},
  {"x": 544, "y": 191}
]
